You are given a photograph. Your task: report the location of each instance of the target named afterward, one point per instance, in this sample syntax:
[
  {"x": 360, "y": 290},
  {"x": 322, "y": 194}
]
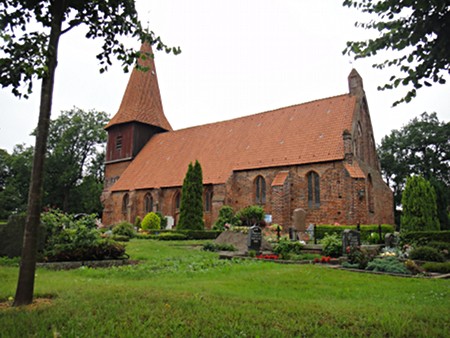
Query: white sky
[{"x": 238, "y": 58}]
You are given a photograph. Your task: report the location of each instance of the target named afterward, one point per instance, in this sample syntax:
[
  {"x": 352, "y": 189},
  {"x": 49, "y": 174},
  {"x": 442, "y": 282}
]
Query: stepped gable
[
  {"x": 295, "y": 135},
  {"x": 142, "y": 99}
]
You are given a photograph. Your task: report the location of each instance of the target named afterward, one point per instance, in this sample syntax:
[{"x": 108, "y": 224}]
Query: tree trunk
[{"x": 25, "y": 285}]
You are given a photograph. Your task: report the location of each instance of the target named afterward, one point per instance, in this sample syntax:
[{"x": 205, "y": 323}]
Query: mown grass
[{"x": 182, "y": 292}]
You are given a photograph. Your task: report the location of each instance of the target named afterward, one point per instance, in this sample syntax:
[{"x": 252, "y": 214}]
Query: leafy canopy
[
  {"x": 418, "y": 30},
  {"x": 25, "y": 33}
]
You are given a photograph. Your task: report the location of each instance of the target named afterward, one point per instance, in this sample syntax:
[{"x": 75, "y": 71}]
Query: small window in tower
[{"x": 119, "y": 142}]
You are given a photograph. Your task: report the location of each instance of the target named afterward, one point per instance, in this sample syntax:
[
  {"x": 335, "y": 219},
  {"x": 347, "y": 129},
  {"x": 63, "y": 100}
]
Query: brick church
[{"x": 319, "y": 156}]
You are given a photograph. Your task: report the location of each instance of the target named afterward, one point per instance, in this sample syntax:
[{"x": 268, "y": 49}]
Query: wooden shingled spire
[{"x": 142, "y": 99}]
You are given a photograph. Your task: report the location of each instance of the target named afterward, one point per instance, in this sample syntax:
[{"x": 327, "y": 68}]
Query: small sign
[{"x": 268, "y": 218}]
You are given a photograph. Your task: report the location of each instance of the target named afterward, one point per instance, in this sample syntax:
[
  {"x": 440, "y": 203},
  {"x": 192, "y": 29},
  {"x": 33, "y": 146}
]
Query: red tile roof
[
  {"x": 280, "y": 178},
  {"x": 300, "y": 134},
  {"x": 142, "y": 99},
  {"x": 354, "y": 170}
]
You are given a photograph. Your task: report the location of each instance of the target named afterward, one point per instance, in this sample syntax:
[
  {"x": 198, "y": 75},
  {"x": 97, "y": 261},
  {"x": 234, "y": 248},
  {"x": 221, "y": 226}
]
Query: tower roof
[{"x": 142, "y": 99}]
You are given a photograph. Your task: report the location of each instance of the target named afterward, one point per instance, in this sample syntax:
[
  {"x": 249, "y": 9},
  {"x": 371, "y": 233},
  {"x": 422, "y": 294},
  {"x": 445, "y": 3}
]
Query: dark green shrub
[
  {"x": 120, "y": 238},
  {"x": 102, "y": 249},
  {"x": 151, "y": 221},
  {"x": 365, "y": 230},
  {"x": 286, "y": 248},
  {"x": 426, "y": 253},
  {"x": 422, "y": 238},
  {"x": 226, "y": 216},
  {"x": 124, "y": 229},
  {"x": 437, "y": 267},
  {"x": 331, "y": 245},
  {"x": 174, "y": 236},
  {"x": 163, "y": 223},
  {"x": 214, "y": 247},
  {"x": 253, "y": 214},
  {"x": 137, "y": 222},
  {"x": 442, "y": 247},
  {"x": 200, "y": 234},
  {"x": 358, "y": 257},
  {"x": 388, "y": 264}
]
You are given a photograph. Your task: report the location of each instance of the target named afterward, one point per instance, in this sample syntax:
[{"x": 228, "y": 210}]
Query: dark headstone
[
  {"x": 350, "y": 238},
  {"x": 254, "y": 238},
  {"x": 292, "y": 234},
  {"x": 390, "y": 240}
]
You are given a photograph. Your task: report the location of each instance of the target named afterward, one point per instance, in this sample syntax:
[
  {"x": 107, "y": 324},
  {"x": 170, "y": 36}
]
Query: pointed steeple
[{"x": 142, "y": 99}]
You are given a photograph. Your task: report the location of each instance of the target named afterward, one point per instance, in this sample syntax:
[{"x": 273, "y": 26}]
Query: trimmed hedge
[
  {"x": 424, "y": 237},
  {"x": 437, "y": 267},
  {"x": 366, "y": 230},
  {"x": 189, "y": 234}
]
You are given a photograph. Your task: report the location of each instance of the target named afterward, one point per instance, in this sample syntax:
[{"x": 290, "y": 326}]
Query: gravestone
[
  {"x": 390, "y": 240},
  {"x": 350, "y": 238},
  {"x": 299, "y": 219},
  {"x": 254, "y": 238}
]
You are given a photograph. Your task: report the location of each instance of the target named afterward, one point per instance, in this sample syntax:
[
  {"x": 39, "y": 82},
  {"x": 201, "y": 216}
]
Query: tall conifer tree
[
  {"x": 419, "y": 206},
  {"x": 191, "y": 209}
]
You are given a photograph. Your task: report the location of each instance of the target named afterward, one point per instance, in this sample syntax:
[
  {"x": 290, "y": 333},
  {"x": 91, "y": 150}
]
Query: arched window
[
  {"x": 148, "y": 203},
  {"x": 208, "y": 200},
  {"x": 313, "y": 190},
  {"x": 260, "y": 190},
  {"x": 370, "y": 194},
  {"x": 177, "y": 201},
  {"x": 125, "y": 202}
]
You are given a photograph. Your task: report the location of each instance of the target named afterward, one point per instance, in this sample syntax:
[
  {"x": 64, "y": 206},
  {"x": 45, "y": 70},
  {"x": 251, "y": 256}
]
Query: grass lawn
[{"x": 182, "y": 292}]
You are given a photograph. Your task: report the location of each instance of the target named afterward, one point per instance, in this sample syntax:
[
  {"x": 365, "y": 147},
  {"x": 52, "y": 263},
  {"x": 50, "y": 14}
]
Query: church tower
[{"x": 140, "y": 116}]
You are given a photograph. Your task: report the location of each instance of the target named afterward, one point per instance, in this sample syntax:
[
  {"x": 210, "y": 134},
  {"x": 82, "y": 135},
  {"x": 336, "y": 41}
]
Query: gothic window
[
  {"x": 148, "y": 203},
  {"x": 208, "y": 200},
  {"x": 313, "y": 190},
  {"x": 125, "y": 202},
  {"x": 260, "y": 190},
  {"x": 119, "y": 142},
  {"x": 370, "y": 194},
  {"x": 177, "y": 200}
]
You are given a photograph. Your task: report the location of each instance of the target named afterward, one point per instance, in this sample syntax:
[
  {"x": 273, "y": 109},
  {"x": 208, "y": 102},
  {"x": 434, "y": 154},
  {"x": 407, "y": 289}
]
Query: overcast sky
[{"x": 238, "y": 58}]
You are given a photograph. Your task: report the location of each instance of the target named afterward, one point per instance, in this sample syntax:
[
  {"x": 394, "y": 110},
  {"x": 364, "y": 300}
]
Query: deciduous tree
[
  {"x": 30, "y": 31},
  {"x": 417, "y": 31},
  {"x": 421, "y": 147}
]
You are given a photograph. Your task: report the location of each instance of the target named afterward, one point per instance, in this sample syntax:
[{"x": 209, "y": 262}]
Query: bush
[
  {"x": 253, "y": 214},
  {"x": 163, "y": 223},
  {"x": 214, "y": 247},
  {"x": 332, "y": 245},
  {"x": 151, "y": 221},
  {"x": 437, "y": 267},
  {"x": 426, "y": 253},
  {"x": 137, "y": 222},
  {"x": 442, "y": 247},
  {"x": 389, "y": 264},
  {"x": 120, "y": 238},
  {"x": 424, "y": 237},
  {"x": 365, "y": 230},
  {"x": 358, "y": 257},
  {"x": 174, "y": 236},
  {"x": 286, "y": 248},
  {"x": 200, "y": 234},
  {"x": 226, "y": 216},
  {"x": 124, "y": 229},
  {"x": 102, "y": 249}
]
